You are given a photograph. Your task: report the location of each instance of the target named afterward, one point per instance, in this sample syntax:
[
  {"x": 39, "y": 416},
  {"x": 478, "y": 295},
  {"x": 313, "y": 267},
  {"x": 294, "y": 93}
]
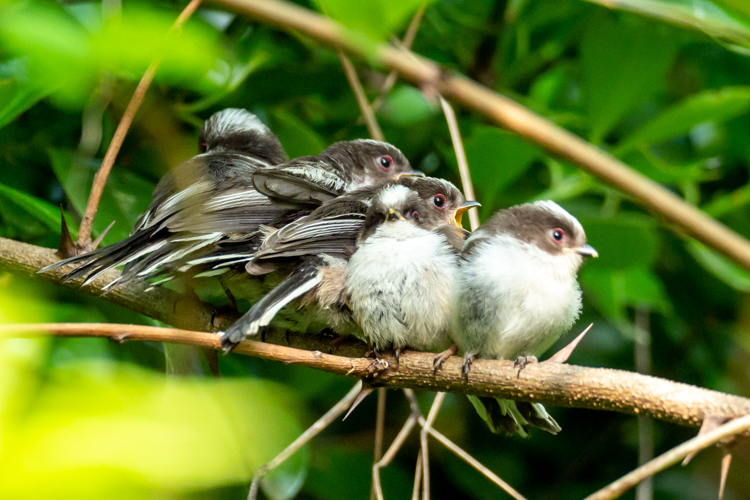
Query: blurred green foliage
[{"x": 661, "y": 84}]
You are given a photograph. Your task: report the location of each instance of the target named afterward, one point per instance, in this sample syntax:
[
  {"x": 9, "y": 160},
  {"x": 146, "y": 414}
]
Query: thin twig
[
  {"x": 471, "y": 460},
  {"x": 359, "y": 93},
  {"x": 645, "y": 490},
  {"x": 390, "y": 455},
  {"x": 411, "y": 34},
  {"x": 503, "y": 111},
  {"x": 379, "y": 431},
  {"x": 100, "y": 179},
  {"x": 670, "y": 458},
  {"x": 417, "y": 477},
  {"x": 315, "y": 429},
  {"x": 463, "y": 163},
  {"x": 437, "y": 403}
]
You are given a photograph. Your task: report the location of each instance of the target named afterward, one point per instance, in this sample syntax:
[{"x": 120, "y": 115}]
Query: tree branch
[
  {"x": 503, "y": 111},
  {"x": 551, "y": 383}
]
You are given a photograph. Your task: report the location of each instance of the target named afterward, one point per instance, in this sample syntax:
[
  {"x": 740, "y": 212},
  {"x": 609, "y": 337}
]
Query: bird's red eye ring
[
  {"x": 439, "y": 201},
  {"x": 558, "y": 235},
  {"x": 415, "y": 216},
  {"x": 203, "y": 147},
  {"x": 386, "y": 162}
]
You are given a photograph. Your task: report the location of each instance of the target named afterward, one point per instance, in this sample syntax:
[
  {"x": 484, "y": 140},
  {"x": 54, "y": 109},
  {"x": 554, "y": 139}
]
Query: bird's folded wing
[
  {"x": 332, "y": 229},
  {"x": 306, "y": 180}
]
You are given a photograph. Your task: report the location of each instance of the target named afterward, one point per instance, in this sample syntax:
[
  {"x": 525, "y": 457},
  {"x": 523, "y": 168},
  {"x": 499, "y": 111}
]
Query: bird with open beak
[
  {"x": 517, "y": 292},
  {"x": 212, "y": 198},
  {"x": 320, "y": 245}
]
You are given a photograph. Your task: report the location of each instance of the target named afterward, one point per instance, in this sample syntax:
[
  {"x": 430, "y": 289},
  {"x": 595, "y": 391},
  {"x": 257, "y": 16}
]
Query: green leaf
[
  {"x": 377, "y": 19},
  {"x": 125, "y": 195},
  {"x": 496, "y": 159},
  {"x": 16, "y": 93},
  {"x": 710, "y": 105},
  {"x": 406, "y": 106},
  {"x": 298, "y": 138},
  {"x": 622, "y": 65},
  {"x": 41, "y": 210},
  {"x": 623, "y": 242},
  {"x": 720, "y": 266}
]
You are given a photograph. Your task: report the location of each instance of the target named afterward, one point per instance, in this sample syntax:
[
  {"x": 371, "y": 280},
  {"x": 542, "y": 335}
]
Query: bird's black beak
[
  {"x": 413, "y": 173},
  {"x": 586, "y": 251},
  {"x": 458, "y": 214},
  {"x": 393, "y": 215}
]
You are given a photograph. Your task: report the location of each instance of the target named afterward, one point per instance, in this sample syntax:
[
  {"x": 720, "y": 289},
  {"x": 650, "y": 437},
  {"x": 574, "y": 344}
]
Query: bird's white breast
[
  {"x": 399, "y": 282},
  {"x": 514, "y": 299}
]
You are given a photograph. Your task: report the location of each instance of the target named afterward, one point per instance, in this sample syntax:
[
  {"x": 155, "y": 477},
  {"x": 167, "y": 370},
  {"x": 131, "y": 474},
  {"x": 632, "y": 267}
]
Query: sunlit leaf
[
  {"x": 176, "y": 435},
  {"x": 721, "y": 267},
  {"x": 710, "y": 105},
  {"x": 375, "y": 18},
  {"x": 701, "y": 15}
]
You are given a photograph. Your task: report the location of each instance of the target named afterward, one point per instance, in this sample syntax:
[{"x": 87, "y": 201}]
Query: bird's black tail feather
[{"x": 302, "y": 279}]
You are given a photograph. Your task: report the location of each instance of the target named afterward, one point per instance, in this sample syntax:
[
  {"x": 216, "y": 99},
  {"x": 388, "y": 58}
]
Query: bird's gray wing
[{"x": 307, "y": 180}]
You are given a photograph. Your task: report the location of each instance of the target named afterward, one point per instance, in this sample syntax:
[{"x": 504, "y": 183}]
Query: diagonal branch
[
  {"x": 100, "y": 179},
  {"x": 671, "y": 457},
  {"x": 503, "y": 111}
]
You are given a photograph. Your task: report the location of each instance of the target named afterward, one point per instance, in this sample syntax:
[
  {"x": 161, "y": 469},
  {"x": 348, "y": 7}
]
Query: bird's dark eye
[
  {"x": 203, "y": 147},
  {"x": 386, "y": 162},
  {"x": 439, "y": 201},
  {"x": 415, "y": 216},
  {"x": 558, "y": 235}
]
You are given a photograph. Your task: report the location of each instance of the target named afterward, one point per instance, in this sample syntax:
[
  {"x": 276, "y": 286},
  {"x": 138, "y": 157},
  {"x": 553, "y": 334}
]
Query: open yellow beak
[
  {"x": 393, "y": 215},
  {"x": 459, "y": 213}
]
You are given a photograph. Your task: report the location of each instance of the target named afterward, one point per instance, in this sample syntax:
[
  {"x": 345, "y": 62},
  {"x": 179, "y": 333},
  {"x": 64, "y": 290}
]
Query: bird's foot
[
  {"x": 377, "y": 367},
  {"x": 438, "y": 361},
  {"x": 397, "y": 354},
  {"x": 466, "y": 366},
  {"x": 522, "y": 361}
]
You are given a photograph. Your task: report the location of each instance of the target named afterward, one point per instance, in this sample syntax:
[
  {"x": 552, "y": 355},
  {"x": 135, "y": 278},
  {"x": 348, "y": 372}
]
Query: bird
[
  {"x": 319, "y": 247},
  {"x": 517, "y": 292},
  {"x": 212, "y": 198}
]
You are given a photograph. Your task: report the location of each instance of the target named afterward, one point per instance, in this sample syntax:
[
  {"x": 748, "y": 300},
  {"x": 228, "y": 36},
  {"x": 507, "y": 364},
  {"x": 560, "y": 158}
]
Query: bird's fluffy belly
[
  {"x": 511, "y": 301},
  {"x": 398, "y": 282}
]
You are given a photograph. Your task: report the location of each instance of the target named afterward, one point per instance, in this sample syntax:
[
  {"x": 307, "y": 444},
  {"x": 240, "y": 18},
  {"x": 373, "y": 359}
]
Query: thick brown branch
[
  {"x": 100, "y": 179},
  {"x": 553, "y": 383},
  {"x": 503, "y": 111}
]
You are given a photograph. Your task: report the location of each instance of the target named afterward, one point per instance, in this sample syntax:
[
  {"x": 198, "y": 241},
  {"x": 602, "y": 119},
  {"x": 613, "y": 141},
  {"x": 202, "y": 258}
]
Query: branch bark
[
  {"x": 552, "y": 383},
  {"x": 429, "y": 75}
]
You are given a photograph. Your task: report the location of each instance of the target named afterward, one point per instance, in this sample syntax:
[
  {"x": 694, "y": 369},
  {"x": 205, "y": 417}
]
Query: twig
[
  {"x": 471, "y": 460},
  {"x": 100, "y": 179},
  {"x": 411, "y": 34},
  {"x": 390, "y": 454},
  {"x": 670, "y": 458},
  {"x": 315, "y": 429},
  {"x": 437, "y": 403},
  {"x": 645, "y": 490},
  {"x": 463, "y": 163},
  {"x": 379, "y": 431},
  {"x": 359, "y": 93},
  {"x": 505, "y": 112}
]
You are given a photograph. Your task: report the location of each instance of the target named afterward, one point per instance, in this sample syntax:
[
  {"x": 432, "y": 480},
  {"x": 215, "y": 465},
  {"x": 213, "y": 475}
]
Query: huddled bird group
[{"x": 366, "y": 244}]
